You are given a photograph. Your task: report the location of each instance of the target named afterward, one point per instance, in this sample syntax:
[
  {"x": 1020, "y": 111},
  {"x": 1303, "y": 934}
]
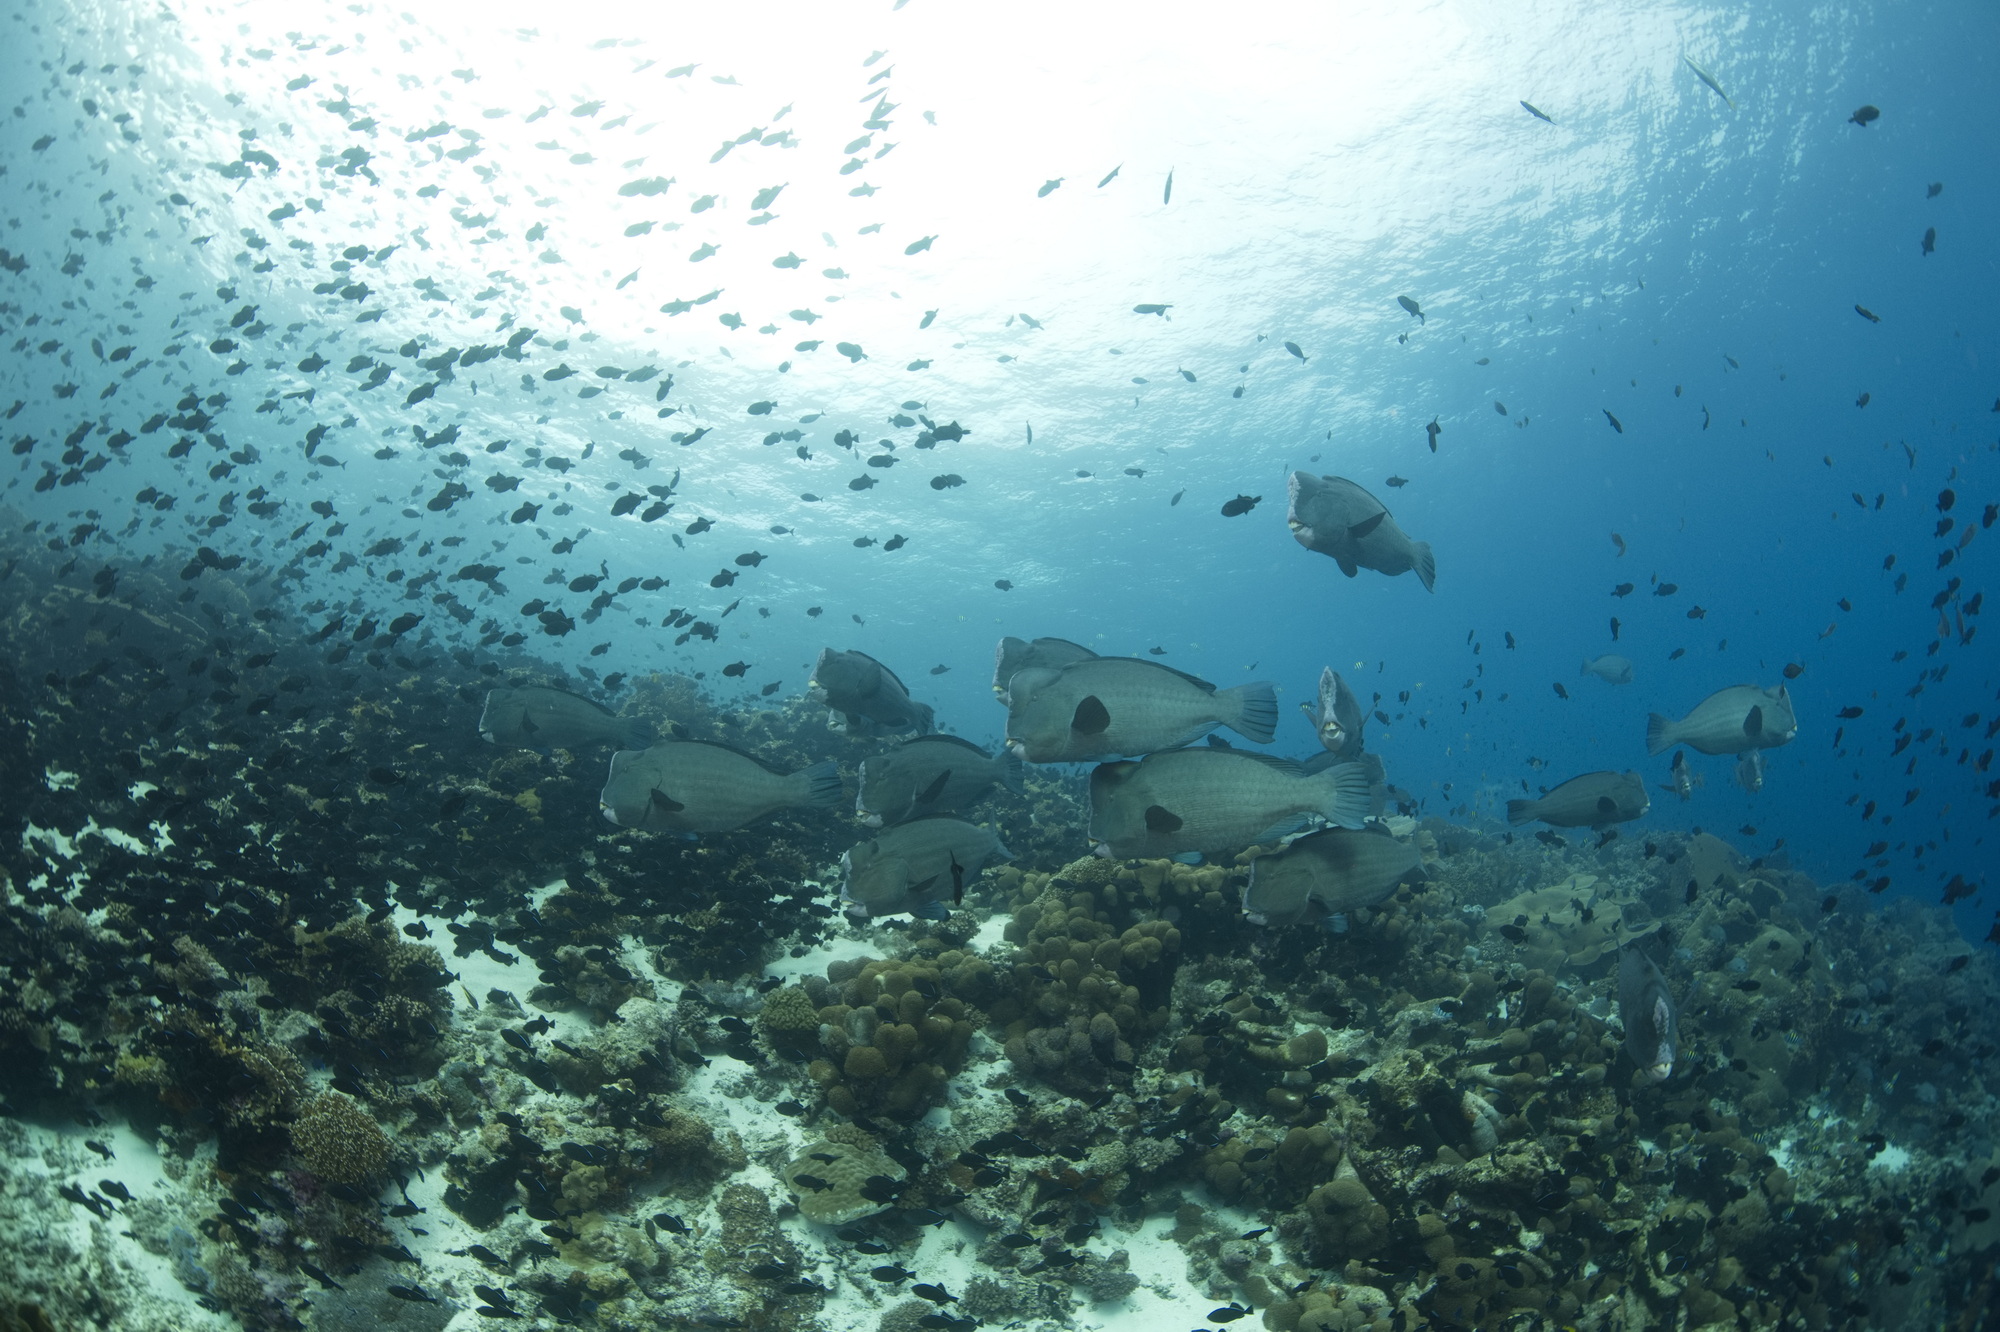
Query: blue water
[{"x": 1654, "y": 253}]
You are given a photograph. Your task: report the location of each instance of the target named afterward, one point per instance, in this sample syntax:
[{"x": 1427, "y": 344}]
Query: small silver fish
[
  {"x": 1610, "y": 668},
  {"x": 1750, "y": 770}
]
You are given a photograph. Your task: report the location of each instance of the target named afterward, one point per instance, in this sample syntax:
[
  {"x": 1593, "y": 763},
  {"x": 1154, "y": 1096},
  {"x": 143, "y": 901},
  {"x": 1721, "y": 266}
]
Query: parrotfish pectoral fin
[{"x": 1092, "y": 718}]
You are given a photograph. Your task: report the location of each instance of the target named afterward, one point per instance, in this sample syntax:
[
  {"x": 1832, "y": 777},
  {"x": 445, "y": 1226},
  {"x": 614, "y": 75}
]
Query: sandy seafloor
[{"x": 69, "y": 1245}]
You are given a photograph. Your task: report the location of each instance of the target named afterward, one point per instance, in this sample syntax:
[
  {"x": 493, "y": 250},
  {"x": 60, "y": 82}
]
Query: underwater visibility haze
[{"x": 916, "y": 666}]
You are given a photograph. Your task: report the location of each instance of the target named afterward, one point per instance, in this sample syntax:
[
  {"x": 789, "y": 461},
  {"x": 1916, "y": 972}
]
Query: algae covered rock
[
  {"x": 832, "y": 1182},
  {"x": 1345, "y": 1216},
  {"x": 1575, "y": 924}
]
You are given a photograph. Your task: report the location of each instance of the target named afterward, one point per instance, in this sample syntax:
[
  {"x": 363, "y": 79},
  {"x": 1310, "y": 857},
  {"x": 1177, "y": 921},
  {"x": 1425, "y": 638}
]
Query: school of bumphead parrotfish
[{"x": 450, "y": 870}]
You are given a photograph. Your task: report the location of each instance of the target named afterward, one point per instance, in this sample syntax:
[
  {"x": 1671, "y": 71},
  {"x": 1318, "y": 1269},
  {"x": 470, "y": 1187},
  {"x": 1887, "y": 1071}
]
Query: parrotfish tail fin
[
  {"x": 1258, "y": 719},
  {"x": 1520, "y": 812},
  {"x": 1011, "y": 770},
  {"x": 639, "y": 734},
  {"x": 1658, "y": 738},
  {"x": 1001, "y": 854},
  {"x": 926, "y": 718},
  {"x": 822, "y": 785},
  {"x": 1422, "y": 561},
  {"x": 1188, "y": 858},
  {"x": 1344, "y": 800}
]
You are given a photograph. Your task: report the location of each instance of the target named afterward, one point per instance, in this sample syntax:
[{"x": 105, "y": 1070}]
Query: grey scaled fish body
[
  {"x": 692, "y": 786},
  {"x": 1208, "y": 801},
  {"x": 1728, "y": 721},
  {"x": 1338, "y": 716},
  {"x": 1018, "y": 654},
  {"x": 1649, "y": 1015},
  {"x": 918, "y": 867},
  {"x": 1337, "y": 518},
  {"x": 1610, "y": 668},
  {"x": 1594, "y": 800},
  {"x": 930, "y": 775},
  {"x": 1335, "y": 869},
  {"x": 1120, "y": 705},
  {"x": 865, "y": 696},
  {"x": 538, "y": 717}
]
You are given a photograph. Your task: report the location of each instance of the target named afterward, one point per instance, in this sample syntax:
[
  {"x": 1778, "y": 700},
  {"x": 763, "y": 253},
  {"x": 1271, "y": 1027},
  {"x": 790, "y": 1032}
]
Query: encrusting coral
[{"x": 339, "y": 1141}]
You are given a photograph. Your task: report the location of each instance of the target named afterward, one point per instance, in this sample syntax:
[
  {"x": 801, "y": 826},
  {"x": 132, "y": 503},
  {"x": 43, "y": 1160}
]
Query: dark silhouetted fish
[
  {"x": 1339, "y": 519},
  {"x": 1015, "y": 654},
  {"x": 1729, "y": 721},
  {"x": 932, "y": 774},
  {"x": 918, "y": 867},
  {"x": 1647, "y": 1009},
  {"x": 1338, "y": 716},
  {"x": 1123, "y": 705},
  {"x": 1594, "y": 800},
  {"x": 1210, "y": 801},
  {"x": 694, "y": 786},
  {"x": 538, "y": 717},
  {"x": 1335, "y": 869},
  {"x": 864, "y": 696}
]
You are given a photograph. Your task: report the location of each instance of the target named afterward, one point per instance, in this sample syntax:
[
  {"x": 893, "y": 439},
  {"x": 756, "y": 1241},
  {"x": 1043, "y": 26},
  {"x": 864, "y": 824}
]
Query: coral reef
[
  {"x": 892, "y": 1036},
  {"x": 340, "y": 1142},
  {"x": 1424, "y": 1112}
]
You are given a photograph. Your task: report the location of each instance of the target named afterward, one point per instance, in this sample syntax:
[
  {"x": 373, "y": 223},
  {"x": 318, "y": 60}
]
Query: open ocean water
[{"x": 370, "y": 372}]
